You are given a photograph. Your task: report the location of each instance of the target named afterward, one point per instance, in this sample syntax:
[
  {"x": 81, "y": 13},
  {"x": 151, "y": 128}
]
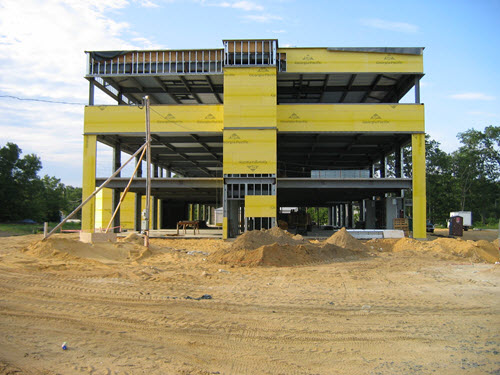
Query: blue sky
[{"x": 42, "y": 44}]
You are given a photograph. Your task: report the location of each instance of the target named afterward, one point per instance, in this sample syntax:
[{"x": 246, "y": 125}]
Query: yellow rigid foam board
[
  {"x": 104, "y": 211},
  {"x": 88, "y": 183},
  {"x": 260, "y": 206},
  {"x": 250, "y": 97},
  {"x": 351, "y": 117},
  {"x": 304, "y": 60},
  {"x": 249, "y": 151},
  {"x": 163, "y": 118},
  {"x": 419, "y": 195}
]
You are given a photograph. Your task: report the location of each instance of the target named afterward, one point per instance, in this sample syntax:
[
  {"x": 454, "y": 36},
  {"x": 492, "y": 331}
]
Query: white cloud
[
  {"x": 148, "y": 4},
  {"x": 472, "y": 96},
  {"x": 483, "y": 114},
  {"x": 264, "y": 18},
  {"x": 378, "y": 23},
  {"x": 42, "y": 46},
  {"x": 278, "y": 31},
  {"x": 247, "y": 6}
]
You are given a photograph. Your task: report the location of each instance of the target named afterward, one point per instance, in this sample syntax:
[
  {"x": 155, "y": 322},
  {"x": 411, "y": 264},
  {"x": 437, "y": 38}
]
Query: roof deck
[{"x": 305, "y": 75}]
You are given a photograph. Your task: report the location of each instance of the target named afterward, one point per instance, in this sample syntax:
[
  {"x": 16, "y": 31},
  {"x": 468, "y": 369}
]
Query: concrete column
[
  {"x": 169, "y": 173},
  {"x": 330, "y": 215},
  {"x": 88, "y": 181}
]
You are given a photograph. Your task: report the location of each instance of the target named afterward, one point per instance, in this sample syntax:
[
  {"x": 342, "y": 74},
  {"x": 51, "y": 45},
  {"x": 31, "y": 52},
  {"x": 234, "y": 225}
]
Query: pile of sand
[
  {"x": 343, "y": 239},
  {"x": 133, "y": 238},
  {"x": 73, "y": 249},
  {"x": 475, "y": 251},
  {"x": 276, "y": 247}
]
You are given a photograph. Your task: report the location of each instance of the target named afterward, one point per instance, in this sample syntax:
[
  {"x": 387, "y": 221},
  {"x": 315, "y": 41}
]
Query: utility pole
[{"x": 148, "y": 172}]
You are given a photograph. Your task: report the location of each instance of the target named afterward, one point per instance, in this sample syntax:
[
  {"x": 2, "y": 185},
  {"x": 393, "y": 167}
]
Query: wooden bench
[{"x": 186, "y": 224}]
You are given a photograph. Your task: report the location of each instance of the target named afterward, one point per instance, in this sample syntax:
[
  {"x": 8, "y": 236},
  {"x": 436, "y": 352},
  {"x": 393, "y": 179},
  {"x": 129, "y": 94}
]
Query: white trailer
[{"x": 466, "y": 215}]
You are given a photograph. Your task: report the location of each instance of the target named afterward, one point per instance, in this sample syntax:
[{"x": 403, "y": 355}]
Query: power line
[{"x": 39, "y": 100}]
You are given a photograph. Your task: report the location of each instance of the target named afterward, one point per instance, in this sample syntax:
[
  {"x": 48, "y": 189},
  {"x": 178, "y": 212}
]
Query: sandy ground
[{"x": 129, "y": 311}]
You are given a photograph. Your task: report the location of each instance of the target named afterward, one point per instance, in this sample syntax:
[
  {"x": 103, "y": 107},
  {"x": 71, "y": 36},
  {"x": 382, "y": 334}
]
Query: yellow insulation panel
[
  {"x": 249, "y": 151},
  {"x": 103, "y": 204},
  {"x": 419, "y": 195},
  {"x": 260, "y": 206},
  {"x": 164, "y": 118},
  {"x": 88, "y": 181},
  {"x": 351, "y": 117},
  {"x": 250, "y": 97},
  {"x": 305, "y": 60},
  {"x": 225, "y": 228},
  {"x": 103, "y": 211}
]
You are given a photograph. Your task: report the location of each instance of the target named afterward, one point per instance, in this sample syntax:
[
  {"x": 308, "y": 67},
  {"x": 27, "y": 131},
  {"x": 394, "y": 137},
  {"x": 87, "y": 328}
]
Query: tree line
[
  {"x": 467, "y": 179},
  {"x": 25, "y": 195}
]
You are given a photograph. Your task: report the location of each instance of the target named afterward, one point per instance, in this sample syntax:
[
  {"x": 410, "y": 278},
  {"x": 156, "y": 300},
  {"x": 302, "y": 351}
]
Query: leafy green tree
[
  {"x": 72, "y": 199},
  {"x": 19, "y": 184},
  {"x": 52, "y": 197},
  {"x": 477, "y": 161},
  {"x": 320, "y": 213},
  {"x": 24, "y": 195}
]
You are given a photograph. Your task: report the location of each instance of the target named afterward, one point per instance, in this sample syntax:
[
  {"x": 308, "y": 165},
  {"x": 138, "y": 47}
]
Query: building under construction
[{"x": 253, "y": 127}]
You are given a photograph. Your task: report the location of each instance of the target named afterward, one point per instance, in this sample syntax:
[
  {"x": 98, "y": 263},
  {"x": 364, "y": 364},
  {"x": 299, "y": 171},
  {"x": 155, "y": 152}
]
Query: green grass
[
  {"x": 22, "y": 229},
  {"x": 485, "y": 226}
]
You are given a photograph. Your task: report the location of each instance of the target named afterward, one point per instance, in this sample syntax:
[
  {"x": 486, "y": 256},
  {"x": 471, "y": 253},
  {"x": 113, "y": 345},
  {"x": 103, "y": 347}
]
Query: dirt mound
[
  {"x": 133, "y": 238},
  {"x": 381, "y": 245},
  {"x": 282, "y": 255},
  {"x": 476, "y": 251},
  {"x": 72, "y": 249},
  {"x": 342, "y": 238},
  {"x": 256, "y": 238},
  {"x": 407, "y": 244},
  {"x": 276, "y": 247}
]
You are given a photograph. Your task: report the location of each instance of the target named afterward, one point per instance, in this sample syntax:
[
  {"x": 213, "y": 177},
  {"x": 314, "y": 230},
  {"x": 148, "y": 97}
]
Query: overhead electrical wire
[{"x": 40, "y": 100}]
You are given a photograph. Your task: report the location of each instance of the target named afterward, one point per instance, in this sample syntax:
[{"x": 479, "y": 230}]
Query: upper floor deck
[{"x": 304, "y": 75}]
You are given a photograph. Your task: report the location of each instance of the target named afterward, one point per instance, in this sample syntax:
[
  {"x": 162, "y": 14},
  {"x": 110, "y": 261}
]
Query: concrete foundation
[{"x": 97, "y": 237}]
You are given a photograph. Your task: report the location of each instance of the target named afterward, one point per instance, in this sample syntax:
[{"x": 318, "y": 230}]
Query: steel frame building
[{"x": 253, "y": 127}]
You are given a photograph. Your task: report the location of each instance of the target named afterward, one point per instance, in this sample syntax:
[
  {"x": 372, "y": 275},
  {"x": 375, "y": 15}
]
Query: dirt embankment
[
  {"x": 443, "y": 248},
  {"x": 276, "y": 247}
]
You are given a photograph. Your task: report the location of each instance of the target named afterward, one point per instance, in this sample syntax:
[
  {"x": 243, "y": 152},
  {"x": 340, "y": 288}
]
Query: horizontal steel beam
[
  {"x": 167, "y": 183},
  {"x": 344, "y": 183}
]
